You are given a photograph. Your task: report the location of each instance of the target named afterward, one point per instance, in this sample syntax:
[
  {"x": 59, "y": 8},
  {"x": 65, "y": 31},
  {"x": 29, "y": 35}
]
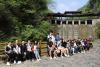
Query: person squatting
[
  {"x": 60, "y": 47},
  {"x": 19, "y": 52}
]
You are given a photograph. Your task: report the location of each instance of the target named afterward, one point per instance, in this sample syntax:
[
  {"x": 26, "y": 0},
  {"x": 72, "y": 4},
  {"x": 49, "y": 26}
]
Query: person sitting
[
  {"x": 17, "y": 52},
  {"x": 8, "y": 51},
  {"x": 23, "y": 51},
  {"x": 65, "y": 50},
  {"x": 29, "y": 50},
  {"x": 51, "y": 48}
]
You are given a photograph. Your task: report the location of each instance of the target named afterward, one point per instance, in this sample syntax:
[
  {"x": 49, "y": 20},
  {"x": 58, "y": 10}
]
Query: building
[{"x": 75, "y": 24}]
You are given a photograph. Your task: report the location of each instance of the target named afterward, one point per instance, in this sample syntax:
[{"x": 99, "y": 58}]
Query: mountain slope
[{"x": 91, "y": 6}]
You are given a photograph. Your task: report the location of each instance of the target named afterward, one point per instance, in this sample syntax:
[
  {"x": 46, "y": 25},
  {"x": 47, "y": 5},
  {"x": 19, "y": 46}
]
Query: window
[
  {"x": 89, "y": 22},
  {"x": 70, "y": 22},
  {"x": 76, "y": 22},
  {"x": 63, "y": 22},
  {"x": 82, "y": 22},
  {"x": 58, "y": 22},
  {"x": 53, "y": 21}
]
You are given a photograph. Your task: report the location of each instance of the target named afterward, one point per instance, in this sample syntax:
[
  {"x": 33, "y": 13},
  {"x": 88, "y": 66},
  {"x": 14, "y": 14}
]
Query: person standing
[
  {"x": 36, "y": 50},
  {"x": 51, "y": 37},
  {"x": 58, "y": 40}
]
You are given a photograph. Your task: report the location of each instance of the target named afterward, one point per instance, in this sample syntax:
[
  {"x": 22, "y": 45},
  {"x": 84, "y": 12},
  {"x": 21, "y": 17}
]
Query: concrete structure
[{"x": 74, "y": 25}]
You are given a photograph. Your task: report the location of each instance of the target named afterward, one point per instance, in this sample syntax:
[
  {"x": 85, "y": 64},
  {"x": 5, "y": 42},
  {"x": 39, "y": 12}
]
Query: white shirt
[{"x": 29, "y": 47}]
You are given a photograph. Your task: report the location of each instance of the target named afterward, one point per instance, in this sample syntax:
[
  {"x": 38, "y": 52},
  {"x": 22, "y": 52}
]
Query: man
[{"x": 58, "y": 39}]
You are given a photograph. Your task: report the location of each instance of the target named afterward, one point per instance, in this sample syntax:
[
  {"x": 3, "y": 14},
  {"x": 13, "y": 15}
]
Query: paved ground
[{"x": 88, "y": 59}]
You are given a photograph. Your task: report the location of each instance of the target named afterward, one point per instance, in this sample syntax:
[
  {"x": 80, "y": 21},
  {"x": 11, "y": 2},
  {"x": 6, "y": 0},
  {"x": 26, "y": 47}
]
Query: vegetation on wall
[{"x": 98, "y": 30}]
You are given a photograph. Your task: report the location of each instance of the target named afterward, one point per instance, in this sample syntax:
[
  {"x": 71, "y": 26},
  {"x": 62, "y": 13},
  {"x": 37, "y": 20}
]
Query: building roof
[{"x": 73, "y": 14}]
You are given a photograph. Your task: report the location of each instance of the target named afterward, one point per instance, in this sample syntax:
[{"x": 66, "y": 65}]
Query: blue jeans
[{"x": 36, "y": 52}]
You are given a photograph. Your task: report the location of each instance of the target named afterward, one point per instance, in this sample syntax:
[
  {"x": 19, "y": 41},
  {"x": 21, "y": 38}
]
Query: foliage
[
  {"x": 97, "y": 41},
  {"x": 37, "y": 33},
  {"x": 98, "y": 30},
  {"x": 23, "y": 19},
  {"x": 91, "y": 6}
]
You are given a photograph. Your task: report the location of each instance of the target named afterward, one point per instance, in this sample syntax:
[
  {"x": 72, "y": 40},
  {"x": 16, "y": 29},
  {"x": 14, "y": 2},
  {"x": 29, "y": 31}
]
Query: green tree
[
  {"x": 98, "y": 30},
  {"x": 91, "y": 6},
  {"x": 18, "y": 17}
]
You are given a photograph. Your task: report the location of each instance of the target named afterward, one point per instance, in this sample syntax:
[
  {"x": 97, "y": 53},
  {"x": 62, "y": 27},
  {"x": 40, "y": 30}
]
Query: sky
[{"x": 66, "y": 5}]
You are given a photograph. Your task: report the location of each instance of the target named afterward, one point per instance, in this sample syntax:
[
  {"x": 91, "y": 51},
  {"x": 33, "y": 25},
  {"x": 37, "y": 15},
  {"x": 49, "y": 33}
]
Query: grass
[{"x": 97, "y": 41}]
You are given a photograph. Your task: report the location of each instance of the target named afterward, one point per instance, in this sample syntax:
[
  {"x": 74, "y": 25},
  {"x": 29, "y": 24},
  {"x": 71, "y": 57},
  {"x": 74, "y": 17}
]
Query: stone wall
[{"x": 73, "y": 29}]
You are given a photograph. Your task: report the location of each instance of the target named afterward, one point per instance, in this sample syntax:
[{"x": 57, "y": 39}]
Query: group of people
[
  {"x": 57, "y": 46},
  {"x": 19, "y": 52}
]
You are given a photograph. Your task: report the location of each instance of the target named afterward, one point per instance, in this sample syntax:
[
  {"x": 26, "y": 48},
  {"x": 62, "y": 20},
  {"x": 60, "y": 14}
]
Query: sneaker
[
  {"x": 8, "y": 64},
  {"x": 39, "y": 59},
  {"x": 67, "y": 55},
  {"x": 55, "y": 57},
  {"x": 78, "y": 52},
  {"x": 14, "y": 62},
  {"x": 83, "y": 51},
  {"x": 50, "y": 57},
  {"x": 74, "y": 53},
  {"x": 62, "y": 57},
  {"x": 19, "y": 62}
]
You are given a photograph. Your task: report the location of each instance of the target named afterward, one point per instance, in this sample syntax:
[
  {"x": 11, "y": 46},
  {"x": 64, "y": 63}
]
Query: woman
[
  {"x": 64, "y": 49},
  {"x": 29, "y": 50},
  {"x": 17, "y": 52},
  {"x": 51, "y": 48},
  {"x": 8, "y": 51},
  {"x": 23, "y": 51},
  {"x": 36, "y": 50}
]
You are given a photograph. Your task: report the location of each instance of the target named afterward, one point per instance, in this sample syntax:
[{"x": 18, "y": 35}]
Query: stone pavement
[{"x": 89, "y": 59}]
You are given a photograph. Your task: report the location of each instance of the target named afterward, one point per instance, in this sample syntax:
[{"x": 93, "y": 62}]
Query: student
[
  {"x": 23, "y": 51},
  {"x": 51, "y": 37},
  {"x": 83, "y": 46},
  {"x": 58, "y": 39},
  {"x": 78, "y": 43},
  {"x": 36, "y": 50},
  {"x": 65, "y": 50},
  {"x": 17, "y": 52},
  {"x": 51, "y": 48},
  {"x": 29, "y": 50},
  {"x": 75, "y": 47},
  {"x": 8, "y": 51}
]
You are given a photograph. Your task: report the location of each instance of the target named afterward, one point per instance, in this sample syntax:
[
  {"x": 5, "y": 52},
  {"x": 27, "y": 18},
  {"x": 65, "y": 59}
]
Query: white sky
[{"x": 66, "y": 5}]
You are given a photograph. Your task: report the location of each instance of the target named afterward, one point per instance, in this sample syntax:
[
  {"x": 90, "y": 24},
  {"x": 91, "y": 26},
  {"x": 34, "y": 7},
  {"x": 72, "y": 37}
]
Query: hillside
[{"x": 91, "y": 6}]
